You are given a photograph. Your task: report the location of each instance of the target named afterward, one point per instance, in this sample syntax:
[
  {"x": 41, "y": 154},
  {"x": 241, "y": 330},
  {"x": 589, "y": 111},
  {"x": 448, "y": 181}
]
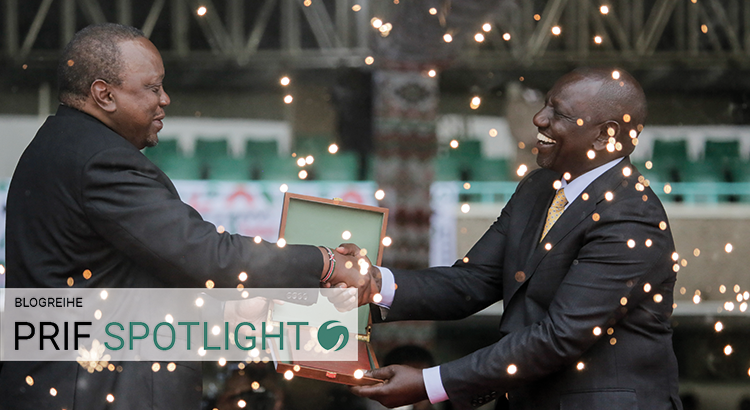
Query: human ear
[
  {"x": 101, "y": 92},
  {"x": 610, "y": 129}
]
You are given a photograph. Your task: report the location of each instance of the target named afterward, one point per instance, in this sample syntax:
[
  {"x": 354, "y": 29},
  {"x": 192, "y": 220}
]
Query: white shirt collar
[{"x": 575, "y": 187}]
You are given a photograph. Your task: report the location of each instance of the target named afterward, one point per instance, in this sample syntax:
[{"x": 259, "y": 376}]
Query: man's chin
[
  {"x": 543, "y": 161},
  {"x": 152, "y": 141}
]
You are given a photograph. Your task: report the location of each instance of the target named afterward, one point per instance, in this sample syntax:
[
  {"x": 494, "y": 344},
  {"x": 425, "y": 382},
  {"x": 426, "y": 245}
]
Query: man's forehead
[
  {"x": 139, "y": 53},
  {"x": 576, "y": 84}
]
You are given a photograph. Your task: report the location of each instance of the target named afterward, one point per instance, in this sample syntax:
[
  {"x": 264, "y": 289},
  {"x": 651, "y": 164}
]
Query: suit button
[{"x": 520, "y": 276}]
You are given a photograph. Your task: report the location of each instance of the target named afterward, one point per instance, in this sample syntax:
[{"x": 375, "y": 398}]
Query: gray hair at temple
[{"x": 93, "y": 54}]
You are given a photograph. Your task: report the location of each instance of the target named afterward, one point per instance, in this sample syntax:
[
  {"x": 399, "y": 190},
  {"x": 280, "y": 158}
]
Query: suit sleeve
[
  {"x": 603, "y": 285},
  {"x": 130, "y": 207},
  {"x": 470, "y": 285}
]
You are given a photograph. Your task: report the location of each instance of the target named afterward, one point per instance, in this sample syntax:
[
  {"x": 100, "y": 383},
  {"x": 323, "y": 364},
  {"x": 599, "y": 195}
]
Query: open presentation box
[{"x": 317, "y": 221}]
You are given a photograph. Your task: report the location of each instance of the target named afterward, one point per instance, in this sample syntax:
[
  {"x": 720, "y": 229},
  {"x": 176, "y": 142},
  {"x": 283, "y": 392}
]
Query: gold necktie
[{"x": 554, "y": 212}]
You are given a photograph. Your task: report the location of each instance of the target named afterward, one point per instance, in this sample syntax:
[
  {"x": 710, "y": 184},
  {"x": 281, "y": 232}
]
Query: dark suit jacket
[
  {"x": 585, "y": 300},
  {"x": 82, "y": 197}
]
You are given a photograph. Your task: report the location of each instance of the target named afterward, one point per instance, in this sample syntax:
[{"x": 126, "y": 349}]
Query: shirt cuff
[
  {"x": 433, "y": 383},
  {"x": 387, "y": 288}
]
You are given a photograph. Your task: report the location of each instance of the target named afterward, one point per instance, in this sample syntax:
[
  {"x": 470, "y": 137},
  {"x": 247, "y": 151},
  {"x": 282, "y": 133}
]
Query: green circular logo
[{"x": 330, "y": 336}]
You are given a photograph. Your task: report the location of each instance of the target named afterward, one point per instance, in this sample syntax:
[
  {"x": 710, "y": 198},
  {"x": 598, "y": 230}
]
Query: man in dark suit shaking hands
[
  {"x": 582, "y": 257},
  {"x": 86, "y": 208}
]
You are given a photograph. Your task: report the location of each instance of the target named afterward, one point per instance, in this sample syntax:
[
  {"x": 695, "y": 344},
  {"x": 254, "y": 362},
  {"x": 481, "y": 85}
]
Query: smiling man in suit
[
  {"x": 83, "y": 198},
  {"x": 581, "y": 257}
]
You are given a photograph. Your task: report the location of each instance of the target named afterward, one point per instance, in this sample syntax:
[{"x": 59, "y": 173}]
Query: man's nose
[
  {"x": 165, "y": 100},
  {"x": 541, "y": 119}
]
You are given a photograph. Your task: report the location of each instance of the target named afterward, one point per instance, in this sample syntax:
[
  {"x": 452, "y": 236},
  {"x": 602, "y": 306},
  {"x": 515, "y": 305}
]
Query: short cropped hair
[{"x": 93, "y": 54}]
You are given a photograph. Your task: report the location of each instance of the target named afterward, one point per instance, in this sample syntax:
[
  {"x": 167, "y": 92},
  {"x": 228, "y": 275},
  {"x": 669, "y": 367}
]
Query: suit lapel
[
  {"x": 576, "y": 213},
  {"x": 542, "y": 197}
]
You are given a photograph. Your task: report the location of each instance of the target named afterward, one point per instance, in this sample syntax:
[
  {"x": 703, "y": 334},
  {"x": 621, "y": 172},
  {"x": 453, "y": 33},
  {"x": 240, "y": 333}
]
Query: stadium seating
[{"x": 229, "y": 169}]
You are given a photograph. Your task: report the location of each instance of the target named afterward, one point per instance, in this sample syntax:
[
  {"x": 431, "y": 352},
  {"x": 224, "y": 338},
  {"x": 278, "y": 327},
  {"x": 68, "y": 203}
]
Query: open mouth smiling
[{"x": 544, "y": 140}]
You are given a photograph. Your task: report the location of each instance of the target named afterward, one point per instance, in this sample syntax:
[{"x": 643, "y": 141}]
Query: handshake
[
  {"x": 347, "y": 268},
  {"x": 348, "y": 280}
]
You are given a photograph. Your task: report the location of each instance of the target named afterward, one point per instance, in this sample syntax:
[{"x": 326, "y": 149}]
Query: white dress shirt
[{"x": 432, "y": 381}]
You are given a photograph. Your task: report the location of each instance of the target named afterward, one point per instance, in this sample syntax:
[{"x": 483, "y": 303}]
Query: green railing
[{"x": 685, "y": 192}]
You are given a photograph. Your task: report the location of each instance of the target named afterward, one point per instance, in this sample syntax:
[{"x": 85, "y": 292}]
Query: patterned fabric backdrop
[{"x": 405, "y": 143}]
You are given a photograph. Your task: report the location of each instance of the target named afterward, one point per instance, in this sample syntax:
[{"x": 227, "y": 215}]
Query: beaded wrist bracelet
[{"x": 331, "y": 265}]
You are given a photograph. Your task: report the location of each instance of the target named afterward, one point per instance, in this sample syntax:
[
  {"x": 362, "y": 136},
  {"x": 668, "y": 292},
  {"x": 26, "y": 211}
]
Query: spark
[
  {"x": 522, "y": 170},
  {"x": 506, "y": 36},
  {"x": 288, "y": 99},
  {"x": 487, "y": 27},
  {"x": 604, "y": 9},
  {"x": 201, "y": 11},
  {"x": 556, "y": 30},
  {"x": 379, "y": 194},
  {"x": 475, "y": 102},
  {"x": 285, "y": 81}
]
